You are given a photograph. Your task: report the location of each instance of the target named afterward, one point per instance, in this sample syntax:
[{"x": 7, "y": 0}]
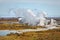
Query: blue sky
[{"x": 52, "y": 7}]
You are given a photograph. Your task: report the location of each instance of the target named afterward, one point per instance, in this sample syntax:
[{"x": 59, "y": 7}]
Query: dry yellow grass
[
  {"x": 16, "y": 26},
  {"x": 42, "y": 35}
]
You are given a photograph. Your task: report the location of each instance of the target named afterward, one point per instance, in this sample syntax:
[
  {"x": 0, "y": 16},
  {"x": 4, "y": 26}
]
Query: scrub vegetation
[
  {"x": 40, "y": 35},
  {"x": 16, "y": 26}
]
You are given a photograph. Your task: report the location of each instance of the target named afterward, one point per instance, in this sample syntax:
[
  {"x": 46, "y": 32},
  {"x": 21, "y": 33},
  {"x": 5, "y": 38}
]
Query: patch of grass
[
  {"x": 16, "y": 26},
  {"x": 40, "y": 35}
]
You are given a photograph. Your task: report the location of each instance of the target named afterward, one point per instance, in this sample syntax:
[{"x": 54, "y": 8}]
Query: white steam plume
[{"x": 29, "y": 16}]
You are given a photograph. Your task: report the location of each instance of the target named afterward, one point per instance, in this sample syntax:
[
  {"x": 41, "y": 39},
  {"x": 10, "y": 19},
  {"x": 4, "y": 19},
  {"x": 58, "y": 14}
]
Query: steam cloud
[{"x": 28, "y": 16}]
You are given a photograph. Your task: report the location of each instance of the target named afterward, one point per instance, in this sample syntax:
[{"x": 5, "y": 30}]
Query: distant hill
[
  {"x": 8, "y": 19},
  {"x": 14, "y": 18},
  {"x": 56, "y": 18}
]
